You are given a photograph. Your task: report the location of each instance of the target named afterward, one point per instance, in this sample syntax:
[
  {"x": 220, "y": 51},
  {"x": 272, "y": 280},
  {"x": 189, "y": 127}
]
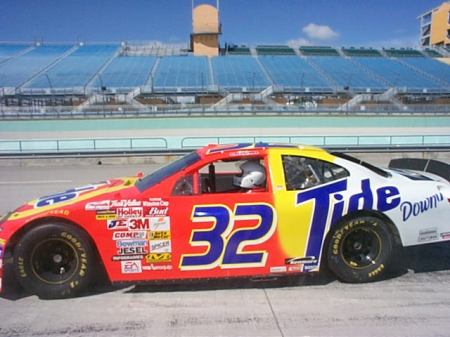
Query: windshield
[
  {"x": 166, "y": 171},
  {"x": 371, "y": 167}
]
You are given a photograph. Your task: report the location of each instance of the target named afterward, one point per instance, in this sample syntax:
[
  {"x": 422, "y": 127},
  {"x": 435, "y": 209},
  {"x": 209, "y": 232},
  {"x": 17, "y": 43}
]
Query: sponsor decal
[
  {"x": 159, "y": 235},
  {"x": 130, "y": 212},
  {"x": 302, "y": 260},
  {"x": 310, "y": 267},
  {"x": 158, "y": 257},
  {"x": 129, "y": 235},
  {"x": 327, "y": 196},
  {"x": 132, "y": 251},
  {"x": 103, "y": 205},
  {"x": 416, "y": 208},
  {"x": 279, "y": 269},
  {"x": 59, "y": 212},
  {"x": 155, "y": 202},
  {"x": 158, "y": 211},
  {"x": 445, "y": 236},
  {"x": 244, "y": 153},
  {"x": 131, "y": 267},
  {"x": 131, "y": 243},
  {"x": 139, "y": 224},
  {"x": 160, "y": 246},
  {"x": 157, "y": 267},
  {"x": 296, "y": 268},
  {"x": 127, "y": 257},
  {"x": 105, "y": 215},
  {"x": 160, "y": 224},
  {"x": 126, "y": 203},
  {"x": 429, "y": 234},
  {"x": 117, "y": 224}
]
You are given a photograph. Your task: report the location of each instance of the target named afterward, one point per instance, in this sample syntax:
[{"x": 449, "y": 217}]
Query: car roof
[{"x": 247, "y": 149}]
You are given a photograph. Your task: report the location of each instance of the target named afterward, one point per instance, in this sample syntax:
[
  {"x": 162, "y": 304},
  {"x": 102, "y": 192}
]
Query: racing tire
[
  {"x": 54, "y": 260},
  {"x": 360, "y": 250}
]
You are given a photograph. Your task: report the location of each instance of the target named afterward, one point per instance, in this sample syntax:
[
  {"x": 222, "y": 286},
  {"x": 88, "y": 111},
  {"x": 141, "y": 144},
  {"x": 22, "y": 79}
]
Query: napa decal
[
  {"x": 65, "y": 196},
  {"x": 224, "y": 242},
  {"x": 328, "y": 196}
]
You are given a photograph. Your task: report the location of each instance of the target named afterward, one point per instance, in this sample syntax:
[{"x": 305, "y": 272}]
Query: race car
[{"x": 242, "y": 210}]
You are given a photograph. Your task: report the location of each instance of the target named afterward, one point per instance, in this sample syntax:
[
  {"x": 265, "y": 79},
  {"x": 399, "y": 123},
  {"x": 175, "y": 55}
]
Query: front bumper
[{"x": 2, "y": 256}]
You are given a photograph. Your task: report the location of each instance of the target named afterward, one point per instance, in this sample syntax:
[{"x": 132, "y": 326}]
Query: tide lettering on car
[
  {"x": 388, "y": 198},
  {"x": 225, "y": 244}
]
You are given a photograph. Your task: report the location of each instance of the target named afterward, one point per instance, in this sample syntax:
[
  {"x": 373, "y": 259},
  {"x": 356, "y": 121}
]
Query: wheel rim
[
  {"x": 361, "y": 248},
  {"x": 54, "y": 261}
]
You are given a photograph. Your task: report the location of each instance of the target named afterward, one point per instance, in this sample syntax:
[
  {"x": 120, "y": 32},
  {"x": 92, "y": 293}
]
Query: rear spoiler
[{"x": 436, "y": 167}]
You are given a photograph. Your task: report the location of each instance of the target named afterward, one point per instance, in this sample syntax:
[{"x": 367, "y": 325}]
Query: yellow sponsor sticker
[
  {"x": 159, "y": 235},
  {"x": 158, "y": 257},
  {"x": 106, "y": 215}
]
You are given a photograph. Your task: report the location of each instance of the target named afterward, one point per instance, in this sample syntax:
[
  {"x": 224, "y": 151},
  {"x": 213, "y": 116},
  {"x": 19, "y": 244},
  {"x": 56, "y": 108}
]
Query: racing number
[{"x": 225, "y": 246}]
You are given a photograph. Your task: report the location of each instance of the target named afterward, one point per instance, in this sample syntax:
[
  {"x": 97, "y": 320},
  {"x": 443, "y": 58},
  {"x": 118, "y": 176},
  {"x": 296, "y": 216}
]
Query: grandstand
[{"x": 144, "y": 74}]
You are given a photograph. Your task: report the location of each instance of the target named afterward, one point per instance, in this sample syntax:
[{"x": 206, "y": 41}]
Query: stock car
[{"x": 243, "y": 210}]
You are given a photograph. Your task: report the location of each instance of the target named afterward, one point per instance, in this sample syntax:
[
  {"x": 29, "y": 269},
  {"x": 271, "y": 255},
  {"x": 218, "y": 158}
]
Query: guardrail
[
  {"x": 126, "y": 111},
  {"x": 130, "y": 146}
]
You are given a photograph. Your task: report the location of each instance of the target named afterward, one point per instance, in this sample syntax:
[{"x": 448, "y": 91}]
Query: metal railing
[
  {"x": 35, "y": 147},
  {"x": 118, "y": 111}
]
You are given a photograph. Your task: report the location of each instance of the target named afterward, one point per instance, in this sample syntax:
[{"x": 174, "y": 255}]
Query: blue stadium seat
[
  {"x": 77, "y": 69},
  {"x": 126, "y": 72},
  {"x": 8, "y": 50},
  {"x": 431, "y": 66},
  {"x": 237, "y": 72},
  {"x": 398, "y": 74},
  {"x": 294, "y": 73},
  {"x": 17, "y": 71},
  {"x": 346, "y": 74},
  {"x": 182, "y": 72}
]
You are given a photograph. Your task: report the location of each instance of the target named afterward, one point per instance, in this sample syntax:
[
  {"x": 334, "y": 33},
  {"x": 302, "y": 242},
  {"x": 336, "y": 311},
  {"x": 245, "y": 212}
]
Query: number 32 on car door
[{"x": 224, "y": 243}]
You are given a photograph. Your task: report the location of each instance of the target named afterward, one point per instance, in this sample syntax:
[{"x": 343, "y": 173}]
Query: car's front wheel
[
  {"x": 360, "y": 249},
  {"x": 54, "y": 260}
]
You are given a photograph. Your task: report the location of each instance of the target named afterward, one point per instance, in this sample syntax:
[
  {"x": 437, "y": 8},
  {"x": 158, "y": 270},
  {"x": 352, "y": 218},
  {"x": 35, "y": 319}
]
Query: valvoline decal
[{"x": 388, "y": 198}]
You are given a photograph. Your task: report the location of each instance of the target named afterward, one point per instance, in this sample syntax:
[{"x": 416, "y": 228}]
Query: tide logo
[{"x": 330, "y": 206}]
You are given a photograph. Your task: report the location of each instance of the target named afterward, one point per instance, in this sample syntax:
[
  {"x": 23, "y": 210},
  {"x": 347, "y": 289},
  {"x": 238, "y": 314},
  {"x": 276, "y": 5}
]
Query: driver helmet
[{"x": 252, "y": 175}]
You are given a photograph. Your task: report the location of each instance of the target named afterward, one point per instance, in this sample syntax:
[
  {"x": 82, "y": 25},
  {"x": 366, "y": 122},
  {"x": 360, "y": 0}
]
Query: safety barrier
[{"x": 173, "y": 144}]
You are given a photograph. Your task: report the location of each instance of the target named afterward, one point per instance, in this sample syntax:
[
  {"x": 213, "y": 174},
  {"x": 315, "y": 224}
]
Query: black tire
[
  {"x": 360, "y": 249},
  {"x": 54, "y": 260}
]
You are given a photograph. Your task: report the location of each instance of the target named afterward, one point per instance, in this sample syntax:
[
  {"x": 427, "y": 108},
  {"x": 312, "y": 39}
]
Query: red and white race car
[{"x": 241, "y": 210}]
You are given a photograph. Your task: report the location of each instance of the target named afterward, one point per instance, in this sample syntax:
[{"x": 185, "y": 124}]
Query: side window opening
[
  {"x": 301, "y": 172},
  {"x": 233, "y": 176}
]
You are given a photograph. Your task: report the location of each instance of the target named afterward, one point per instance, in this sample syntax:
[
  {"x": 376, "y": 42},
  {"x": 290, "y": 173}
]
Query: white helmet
[{"x": 252, "y": 175}]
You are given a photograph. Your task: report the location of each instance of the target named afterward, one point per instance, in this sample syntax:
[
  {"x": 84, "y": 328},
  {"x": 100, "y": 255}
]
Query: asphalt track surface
[{"x": 413, "y": 301}]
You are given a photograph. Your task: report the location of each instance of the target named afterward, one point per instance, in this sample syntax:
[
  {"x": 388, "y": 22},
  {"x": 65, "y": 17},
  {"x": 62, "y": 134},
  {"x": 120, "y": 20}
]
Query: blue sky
[{"x": 318, "y": 22}]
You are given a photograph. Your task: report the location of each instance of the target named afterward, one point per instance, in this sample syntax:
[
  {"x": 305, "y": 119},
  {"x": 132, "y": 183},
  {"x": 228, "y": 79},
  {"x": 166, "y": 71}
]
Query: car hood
[{"x": 75, "y": 196}]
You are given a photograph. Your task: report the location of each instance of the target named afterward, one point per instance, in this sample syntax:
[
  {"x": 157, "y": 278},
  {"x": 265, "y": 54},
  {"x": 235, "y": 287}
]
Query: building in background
[
  {"x": 206, "y": 29},
  {"x": 435, "y": 26}
]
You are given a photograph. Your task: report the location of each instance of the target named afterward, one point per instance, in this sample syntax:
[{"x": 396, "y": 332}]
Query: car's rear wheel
[
  {"x": 360, "y": 249},
  {"x": 54, "y": 260}
]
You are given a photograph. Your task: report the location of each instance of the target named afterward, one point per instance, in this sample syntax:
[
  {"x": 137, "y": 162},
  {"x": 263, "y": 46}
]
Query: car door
[
  {"x": 221, "y": 229},
  {"x": 302, "y": 188}
]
